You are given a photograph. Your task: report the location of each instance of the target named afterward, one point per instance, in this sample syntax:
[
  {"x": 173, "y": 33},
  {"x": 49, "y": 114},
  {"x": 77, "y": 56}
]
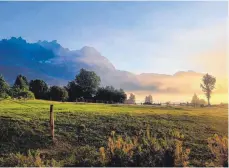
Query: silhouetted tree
[
  {"x": 74, "y": 91},
  {"x": 110, "y": 94},
  {"x": 122, "y": 96},
  {"x": 88, "y": 82},
  {"x": 208, "y": 85},
  {"x": 39, "y": 88},
  {"x": 84, "y": 87},
  {"x": 58, "y": 93}
]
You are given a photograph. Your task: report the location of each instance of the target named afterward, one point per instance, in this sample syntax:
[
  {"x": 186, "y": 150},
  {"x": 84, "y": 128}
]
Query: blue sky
[{"x": 153, "y": 37}]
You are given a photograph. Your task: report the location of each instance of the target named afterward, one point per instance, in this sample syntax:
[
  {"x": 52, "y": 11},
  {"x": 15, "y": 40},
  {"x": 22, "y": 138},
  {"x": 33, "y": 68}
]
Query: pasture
[{"x": 81, "y": 129}]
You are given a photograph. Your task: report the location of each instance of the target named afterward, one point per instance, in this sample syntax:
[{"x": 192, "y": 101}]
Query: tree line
[
  {"x": 85, "y": 87},
  {"x": 207, "y": 86}
]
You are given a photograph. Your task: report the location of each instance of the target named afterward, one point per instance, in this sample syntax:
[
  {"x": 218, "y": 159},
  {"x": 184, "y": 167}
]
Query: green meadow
[{"x": 82, "y": 129}]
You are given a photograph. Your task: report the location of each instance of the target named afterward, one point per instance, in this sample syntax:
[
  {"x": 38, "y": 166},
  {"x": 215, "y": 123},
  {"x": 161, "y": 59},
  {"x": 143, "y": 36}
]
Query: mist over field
[
  {"x": 114, "y": 84},
  {"x": 59, "y": 64}
]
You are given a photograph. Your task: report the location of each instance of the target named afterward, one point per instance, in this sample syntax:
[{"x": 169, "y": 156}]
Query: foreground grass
[{"x": 81, "y": 129}]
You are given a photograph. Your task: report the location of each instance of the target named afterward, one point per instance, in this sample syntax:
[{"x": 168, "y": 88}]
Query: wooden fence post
[{"x": 52, "y": 121}]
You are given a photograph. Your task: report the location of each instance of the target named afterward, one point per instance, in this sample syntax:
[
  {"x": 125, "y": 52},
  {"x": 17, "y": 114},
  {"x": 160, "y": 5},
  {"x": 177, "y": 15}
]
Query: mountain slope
[
  {"x": 49, "y": 60},
  {"x": 58, "y": 65}
]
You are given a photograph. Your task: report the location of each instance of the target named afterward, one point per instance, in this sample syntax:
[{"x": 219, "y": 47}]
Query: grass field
[{"x": 81, "y": 129}]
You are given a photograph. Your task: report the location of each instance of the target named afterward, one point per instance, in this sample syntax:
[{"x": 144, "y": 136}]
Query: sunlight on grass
[{"x": 25, "y": 125}]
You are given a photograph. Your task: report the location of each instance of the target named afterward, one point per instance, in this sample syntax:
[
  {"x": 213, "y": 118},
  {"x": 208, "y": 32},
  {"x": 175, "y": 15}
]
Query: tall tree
[
  {"x": 4, "y": 87},
  {"x": 88, "y": 81},
  {"x": 21, "y": 82},
  {"x": 39, "y": 88},
  {"x": 208, "y": 85},
  {"x": 74, "y": 91}
]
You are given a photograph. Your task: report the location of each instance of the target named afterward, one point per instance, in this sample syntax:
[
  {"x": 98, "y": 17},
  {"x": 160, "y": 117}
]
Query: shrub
[
  {"x": 58, "y": 93},
  {"x": 83, "y": 156},
  {"x": 16, "y": 92},
  {"x": 143, "y": 150},
  {"x": 219, "y": 148},
  {"x": 4, "y": 95},
  {"x": 32, "y": 159},
  {"x": 26, "y": 95}
]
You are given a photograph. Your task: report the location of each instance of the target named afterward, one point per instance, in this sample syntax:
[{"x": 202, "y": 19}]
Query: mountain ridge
[{"x": 52, "y": 62}]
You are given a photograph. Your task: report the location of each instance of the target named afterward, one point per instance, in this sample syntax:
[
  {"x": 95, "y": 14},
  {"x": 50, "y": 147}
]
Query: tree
[
  {"x": 110, "y": 94},
  {"x": 39, "y": 88},
  {"x": 148, "y": 99},
  {"x": 4, "y": 87},
  {"x": 21, "y": 82},
  {"x": 202, "y": 102},
  {"x": 25, "y": 80},
  {"x": 208, "y": 85},
  {"x": 15, "y": 92},
  {"x": 167, "y": 103},
  {"x": 58, "y": 93},
  {"x": 88, "y": 81},
  {"x": 74, "y": 91},
  {"x": 195, "y": 100},
  {"x": 122, "y": 95},
  {"x": 131, "y": 99}
]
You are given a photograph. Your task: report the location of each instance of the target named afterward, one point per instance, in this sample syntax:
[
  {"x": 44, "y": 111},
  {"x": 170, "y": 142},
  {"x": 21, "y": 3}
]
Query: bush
[
  {"x": 26, "y": 95},
  {"x": 145, "y": 150},
  {"x": 219, "y": 148},
  {"x": 4, "y": 95},
  {"x": 32, "y": 159},
  {"x": 18, "y": 93},
  {"x": 83, "y": 156},
  {"x": 58, "y": 93}
]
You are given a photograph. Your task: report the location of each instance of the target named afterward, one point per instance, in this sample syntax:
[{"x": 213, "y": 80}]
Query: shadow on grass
[{"x": 20, "y": 136}]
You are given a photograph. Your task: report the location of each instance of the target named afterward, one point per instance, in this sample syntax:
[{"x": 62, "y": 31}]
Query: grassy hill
[{"x": 82, "y": 129}]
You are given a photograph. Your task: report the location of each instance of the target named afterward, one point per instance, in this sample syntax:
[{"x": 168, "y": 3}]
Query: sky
[{"x": 140, "y": 37}]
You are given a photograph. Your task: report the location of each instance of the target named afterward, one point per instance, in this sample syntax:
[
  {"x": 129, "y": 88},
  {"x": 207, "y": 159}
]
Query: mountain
[
  {"x": 52, "y": 62},
  {"x": 58, "y": 65}
]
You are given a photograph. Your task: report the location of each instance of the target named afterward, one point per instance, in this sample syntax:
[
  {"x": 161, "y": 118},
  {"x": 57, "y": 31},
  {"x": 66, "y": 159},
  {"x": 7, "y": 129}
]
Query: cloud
[
  {"x": 164, "y": 42},
  {"x": 214, "y": 62}
]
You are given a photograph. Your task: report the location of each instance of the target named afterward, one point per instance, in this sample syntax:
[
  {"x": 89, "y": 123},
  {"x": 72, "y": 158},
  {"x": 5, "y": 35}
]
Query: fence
[{"x": 150, "y": 104}]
